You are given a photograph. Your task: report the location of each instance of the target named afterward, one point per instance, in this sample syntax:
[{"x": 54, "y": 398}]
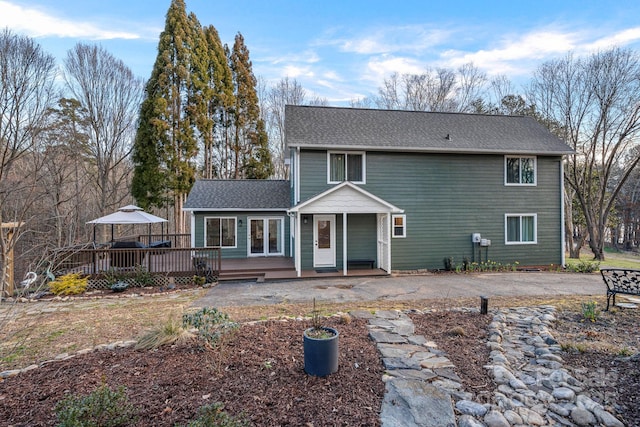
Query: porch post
[
  {"x": 388, "y": 254},
  {"x": 297, "y": 245},
  {"x": 344, "y": 243}
]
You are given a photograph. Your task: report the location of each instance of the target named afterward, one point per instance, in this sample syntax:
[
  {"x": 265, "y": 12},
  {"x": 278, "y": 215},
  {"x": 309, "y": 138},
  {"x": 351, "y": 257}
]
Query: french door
[{"x": 265, "y": 237}]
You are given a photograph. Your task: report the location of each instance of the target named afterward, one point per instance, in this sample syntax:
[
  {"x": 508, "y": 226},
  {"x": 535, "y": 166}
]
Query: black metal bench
[
  {"x": 361, "y": 262},
  {"x": 620, "y": 281}
]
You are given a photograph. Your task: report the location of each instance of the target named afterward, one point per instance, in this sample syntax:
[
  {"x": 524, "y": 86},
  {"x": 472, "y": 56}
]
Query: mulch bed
[
  {"x": 463, "y": 336},
  {"x": 258, "y": 372}
]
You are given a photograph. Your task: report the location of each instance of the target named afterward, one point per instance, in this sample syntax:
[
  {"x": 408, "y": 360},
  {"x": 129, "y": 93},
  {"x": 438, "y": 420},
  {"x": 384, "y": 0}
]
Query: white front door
[{"x": 324, "y": 238}]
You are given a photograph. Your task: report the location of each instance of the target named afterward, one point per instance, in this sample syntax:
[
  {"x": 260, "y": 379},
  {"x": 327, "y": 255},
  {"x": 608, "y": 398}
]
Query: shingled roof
[
  {"x": 230, "y": 194},
  {"x": 396, "y": 130}
]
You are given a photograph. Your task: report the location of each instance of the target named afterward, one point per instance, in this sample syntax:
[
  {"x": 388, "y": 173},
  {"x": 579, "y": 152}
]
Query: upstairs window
[
  {"x": 346, "y": 166},
  {"x": 520, "y": 170},
  {"x": 520, "y": 229}
]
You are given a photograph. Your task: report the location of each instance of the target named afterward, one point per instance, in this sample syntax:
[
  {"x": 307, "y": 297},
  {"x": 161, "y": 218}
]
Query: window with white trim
[
  {"x": 399, "y": 226},
  {"x": 519, "y": 170},
  {"x": 345, "y": 166},
  {"x": 220, "y": 232},
  {"x": 520, "y": 229}
]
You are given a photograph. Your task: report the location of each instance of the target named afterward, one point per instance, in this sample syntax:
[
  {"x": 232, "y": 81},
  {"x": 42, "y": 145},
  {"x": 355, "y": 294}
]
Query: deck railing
[
  {"x": 174, "y": 240},
  {"x": 171, "y": 262}
]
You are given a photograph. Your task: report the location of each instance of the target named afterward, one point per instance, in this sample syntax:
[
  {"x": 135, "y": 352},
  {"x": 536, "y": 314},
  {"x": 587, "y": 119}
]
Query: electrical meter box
[{"x": 476, "y": 238}]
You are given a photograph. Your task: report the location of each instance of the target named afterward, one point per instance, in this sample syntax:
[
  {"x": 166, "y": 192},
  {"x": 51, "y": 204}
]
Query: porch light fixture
[
  {"x": 239, "y": 223},
  {"x": 305, "y": 218}
]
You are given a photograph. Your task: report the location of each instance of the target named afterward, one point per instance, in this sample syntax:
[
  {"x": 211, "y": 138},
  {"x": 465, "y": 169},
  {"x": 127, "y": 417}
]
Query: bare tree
[
  {"x": 111, "y": 95},
  {"x": 439, "y": 89},
  {"x": 285, "y": 92},
  {"x": 27, "y": 90},
  {"x": 595, "y": 102}
]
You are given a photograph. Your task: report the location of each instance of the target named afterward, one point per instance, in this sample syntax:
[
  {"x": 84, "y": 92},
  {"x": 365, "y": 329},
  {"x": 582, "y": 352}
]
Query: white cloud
[
  {"x": 383, "y": 66},
  {"x": 408, "y": 38},
  {"x": 622, "y": 38},
  {"x": 306, "y": 57},
  {"x": 37, "y": 23},
  {"x": 513, "y": 55},
  {"x": 294, "y": 71}
]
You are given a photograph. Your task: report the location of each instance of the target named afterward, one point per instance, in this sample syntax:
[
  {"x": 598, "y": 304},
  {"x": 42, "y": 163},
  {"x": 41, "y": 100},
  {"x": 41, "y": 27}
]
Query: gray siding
[
  {"x": 241, "y": 239},
  {"x": 447, "y": 197}
]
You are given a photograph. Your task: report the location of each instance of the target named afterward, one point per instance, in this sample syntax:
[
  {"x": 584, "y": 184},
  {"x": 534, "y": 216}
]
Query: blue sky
[{"x": 343, "y": 49}]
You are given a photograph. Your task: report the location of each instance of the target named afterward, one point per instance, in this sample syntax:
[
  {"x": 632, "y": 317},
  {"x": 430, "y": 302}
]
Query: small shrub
[
  {"x": 69, "y": 284},
  {"x": 590, "y": 310},
  {"x": 102, "y": 407},
  {"x": 214, "y": 415},
  {"x": 625, "y": 352},
  {"x": 141, "y": 277},
  {"x": 168, "y": 333},
  {"x": 457, "y": 331},
  {"x": 584, "y": 266},
  {"x": 345, "y": 318},
  {"x": 210, "y": 323},
  {"x": 448, "y": 263}
]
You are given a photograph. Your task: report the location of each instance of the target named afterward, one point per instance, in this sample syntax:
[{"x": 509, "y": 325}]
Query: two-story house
[{"x": 401, "y": 190}]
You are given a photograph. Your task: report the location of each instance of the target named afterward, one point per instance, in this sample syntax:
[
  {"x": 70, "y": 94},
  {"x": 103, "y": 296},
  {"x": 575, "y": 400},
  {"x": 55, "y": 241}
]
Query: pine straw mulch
[{"x": 257, "y": 372}]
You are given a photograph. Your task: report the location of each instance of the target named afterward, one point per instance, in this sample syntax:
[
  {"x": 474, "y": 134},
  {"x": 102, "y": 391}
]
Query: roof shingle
[
  {"x": 249, "y": 194},
  {"x": 369, "y": 129}
]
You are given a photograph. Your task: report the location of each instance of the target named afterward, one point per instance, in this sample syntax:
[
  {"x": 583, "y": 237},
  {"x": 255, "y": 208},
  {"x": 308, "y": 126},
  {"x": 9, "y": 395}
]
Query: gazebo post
[{"x": 7, "y": 281}]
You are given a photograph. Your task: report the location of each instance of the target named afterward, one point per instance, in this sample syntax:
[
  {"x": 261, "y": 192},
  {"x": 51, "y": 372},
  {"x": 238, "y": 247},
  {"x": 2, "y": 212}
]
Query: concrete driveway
[{"x": 400, "y": 288}]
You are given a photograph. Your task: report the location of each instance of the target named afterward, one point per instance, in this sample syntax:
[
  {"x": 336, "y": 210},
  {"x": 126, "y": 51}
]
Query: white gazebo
[{"x": 127, "y": 215}]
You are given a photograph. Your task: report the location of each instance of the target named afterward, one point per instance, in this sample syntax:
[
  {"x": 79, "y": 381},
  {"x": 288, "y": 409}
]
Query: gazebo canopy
[{"x": 129, "y": 214}]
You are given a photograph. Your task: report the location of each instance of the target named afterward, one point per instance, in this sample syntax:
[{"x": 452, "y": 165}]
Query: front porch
[{"x": 283, "y": 268}]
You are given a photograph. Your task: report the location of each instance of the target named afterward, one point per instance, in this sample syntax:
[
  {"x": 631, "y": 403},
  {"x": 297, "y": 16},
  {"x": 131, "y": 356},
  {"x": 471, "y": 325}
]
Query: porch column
[
  {"x": 388, "y": 254},
  {"x": 344, "y": 243},
  {"x": 298, "y": 250}
]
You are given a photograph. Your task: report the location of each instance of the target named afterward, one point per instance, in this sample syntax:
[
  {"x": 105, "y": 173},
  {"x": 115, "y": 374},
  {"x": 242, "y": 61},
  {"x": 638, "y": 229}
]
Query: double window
[
  {"x": 519, "y": 170},
  {"x": 521, "y": 229},
  {"x": 346, "y": 166},
  {"x": 220, "y": 232}
]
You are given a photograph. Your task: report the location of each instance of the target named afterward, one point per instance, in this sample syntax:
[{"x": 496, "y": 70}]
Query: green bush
[
  {"x": 102, "y": 407},
  {"x": 584, "y": 266},
  {"x": 590, "y": 311},
  {"x": 69, "y": 284},
  {"x": 214, "y": 416},
  {"x": 210, "y": 323}
]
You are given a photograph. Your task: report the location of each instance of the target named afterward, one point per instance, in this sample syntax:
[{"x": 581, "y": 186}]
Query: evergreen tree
[
  {"x": 246, "y": 139},
  {"x": 260, "y": 164},
  {"x": 213, "y": 95},
  {"x": 166, "y": 126}
]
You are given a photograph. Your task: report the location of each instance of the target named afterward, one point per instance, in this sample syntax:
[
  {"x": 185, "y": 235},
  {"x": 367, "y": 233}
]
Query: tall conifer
[
  {"x": 248, "y": 138},
  {"x": 165, "y": 126}
]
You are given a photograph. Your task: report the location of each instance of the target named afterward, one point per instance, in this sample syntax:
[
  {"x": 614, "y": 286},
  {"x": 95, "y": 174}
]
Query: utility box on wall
[{"x": 476, "y": 238}]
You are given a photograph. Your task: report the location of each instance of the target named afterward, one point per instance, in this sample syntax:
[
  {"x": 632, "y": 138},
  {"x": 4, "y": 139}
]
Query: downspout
[
  {"x": 562, "y": 229},
  {"x": 344, "y": 243},
  {"x": 296, "y": 184},
  {"x": 298, "y": 247},
  {"x": 388, "y": 255},
  {"x": 193, "y": 229}
]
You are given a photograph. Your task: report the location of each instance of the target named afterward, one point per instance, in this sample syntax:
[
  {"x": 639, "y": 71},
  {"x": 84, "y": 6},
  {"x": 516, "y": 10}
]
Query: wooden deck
[
  {"x": 281, "y": 268},
  {"x": 190, "y": 261}
]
